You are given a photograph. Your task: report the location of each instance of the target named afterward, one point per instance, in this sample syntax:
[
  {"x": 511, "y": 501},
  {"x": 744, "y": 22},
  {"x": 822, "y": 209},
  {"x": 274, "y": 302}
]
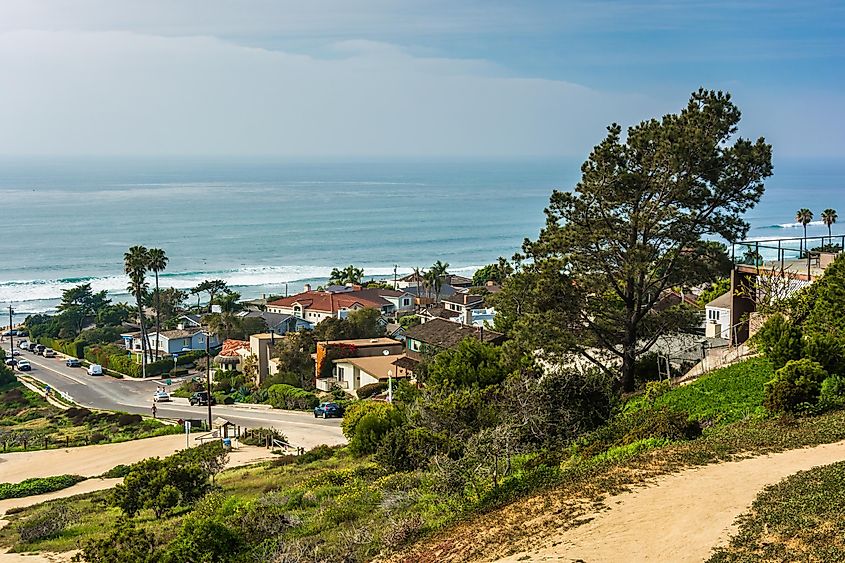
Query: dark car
[
  {"x": 39, "y": 349},
  {"x": 72, "y": 363},
  {"x": 328, "y": 410},
  {"x": 11, "y": 362},
  {"x": 201, "y": 398}
]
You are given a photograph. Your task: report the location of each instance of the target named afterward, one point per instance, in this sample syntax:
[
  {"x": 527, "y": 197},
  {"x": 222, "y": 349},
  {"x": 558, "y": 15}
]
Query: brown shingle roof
[{"x": 446, "y": 334}]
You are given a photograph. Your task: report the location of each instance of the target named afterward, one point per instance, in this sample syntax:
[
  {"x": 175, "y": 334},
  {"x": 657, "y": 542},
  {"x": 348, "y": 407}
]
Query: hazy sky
[{"x": 404, "y": 77}]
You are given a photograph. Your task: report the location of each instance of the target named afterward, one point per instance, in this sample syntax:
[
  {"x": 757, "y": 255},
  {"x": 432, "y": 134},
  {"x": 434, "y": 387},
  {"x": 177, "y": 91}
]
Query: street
[{"x": 104, "y": 392}]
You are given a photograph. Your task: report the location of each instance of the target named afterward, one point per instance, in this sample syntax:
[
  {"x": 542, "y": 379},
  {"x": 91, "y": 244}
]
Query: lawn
[
  {"x": 723, "y": 396},
  {"x": 798, "y": 519}
]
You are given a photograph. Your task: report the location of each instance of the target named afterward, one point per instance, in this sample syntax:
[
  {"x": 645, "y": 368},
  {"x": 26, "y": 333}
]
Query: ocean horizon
[{"x": 263, "y": 223}]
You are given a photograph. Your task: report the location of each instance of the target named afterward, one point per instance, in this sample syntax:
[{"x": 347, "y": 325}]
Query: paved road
[{"x": 104, "y": 392}]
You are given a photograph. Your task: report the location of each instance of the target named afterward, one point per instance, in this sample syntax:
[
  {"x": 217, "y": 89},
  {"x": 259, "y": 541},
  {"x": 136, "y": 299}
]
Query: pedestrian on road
[{"x": 154, "y": 409}]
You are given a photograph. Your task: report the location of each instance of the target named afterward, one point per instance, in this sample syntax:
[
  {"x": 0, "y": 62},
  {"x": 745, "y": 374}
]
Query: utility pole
[
  {"x": 395, "y": 281},
  {"x": 11, "y": 336},
  {"x": 208, "y": 376}
]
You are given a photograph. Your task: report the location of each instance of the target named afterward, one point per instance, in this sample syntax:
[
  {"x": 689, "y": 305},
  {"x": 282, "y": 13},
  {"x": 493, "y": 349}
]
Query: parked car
[
  {"x": 161, "y": 397},
  {"x": 39, "y": 349},
  {"x": 95, "y": 369},
  {"x": 328, "y": 410},
  {"x": 23, "y": 344},
  {"x": 23, "y": 333},
  {"x": 11, "y": 361},
  {"x": 49, "y": 353},
  {"x": 73, "y": 363},
  {"x": 201, "y": 398},
  {"x": 23, "y": 365}
]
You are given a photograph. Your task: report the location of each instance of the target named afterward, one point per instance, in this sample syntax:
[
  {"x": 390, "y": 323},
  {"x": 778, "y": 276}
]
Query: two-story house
[
  {"x": 338, "y": 301},
  {"x": 436, "y": 335}
]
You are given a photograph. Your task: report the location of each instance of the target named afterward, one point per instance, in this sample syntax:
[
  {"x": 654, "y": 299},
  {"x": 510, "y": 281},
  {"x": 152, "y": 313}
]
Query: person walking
[{"x": 154, "y": 410}]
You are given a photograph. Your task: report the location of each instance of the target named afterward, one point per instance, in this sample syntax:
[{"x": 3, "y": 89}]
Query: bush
[
  {"x": 367, "y": 391},
  {"x": 470, "y": 363},
  {"x": 203, "y": 539},
  {"x": 118, "y": 471},
  {"x": 832, "y": 393},
  {"x": 45, "y": 524},
  {"x": 38, "y": 486},
  {"x": 126, "y": 419},
  {"x": 798, "y": 382},
  {"x": 258, "y": 436},
  {"x": 779, "y": 340},
  {"x": 162, "y": 485},
  {"x": 125, "y": 543},
  {"x": 366, "y": 422},
  {"x": 827, "y": 350},
  {"x": 283, "y": 396},
  {"x": 636, "y": 426}
]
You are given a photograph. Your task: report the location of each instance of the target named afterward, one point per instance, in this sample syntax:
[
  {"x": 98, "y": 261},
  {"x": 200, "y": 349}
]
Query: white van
[
  {"x": 49, "y": 353},
  {"x": 95, "y": 369},
  {"x": 23, "y": 344}
]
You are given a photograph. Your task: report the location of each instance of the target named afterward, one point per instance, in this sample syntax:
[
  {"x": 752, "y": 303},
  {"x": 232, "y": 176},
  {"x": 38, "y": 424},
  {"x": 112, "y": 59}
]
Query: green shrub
[
  {"x": 45, "y": 524},
  {"x": 125, "y": 543},
  {"x": 779, "y": 340},
  {"x": 317, "y": 453},
  {"x": 663, "y": 423},
  {"x": 367, "y": 391},
  {"x": 832, "y": 392},
  {"x": 797, "y": 383},
  {"x": 283, "y": 396},
  {"x": 366, "y": 422},
  {"x": 827, "y": 350},
  {"x": 203, "y": 539},
  {"x": 118, "y": 471},
  {"x": 38, "y": 486},
  {"x": 126, "y": 419}
]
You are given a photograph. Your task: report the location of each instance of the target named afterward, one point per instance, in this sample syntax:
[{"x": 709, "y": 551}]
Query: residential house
[
  {"x": 337, "y": 301},
  {"x": 438, "y": 312},
  {"x": 461, "y": 302},
  {"x": 277, "y": 322},
  {"x": 349, "y": 349},
  {"x": 259, "y": 346},
  {"x": 718, "y": 317},
  {"x": 438, "y": 334},
  {"x": 190, "y": 321},
  {"x": 172, "y": 342},
  {"x": 232, "y": 354},
  {"x": 353, "y": 373}
]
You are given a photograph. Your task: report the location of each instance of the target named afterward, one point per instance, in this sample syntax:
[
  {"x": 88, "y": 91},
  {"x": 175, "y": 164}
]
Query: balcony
[{"x": 328, "y": 383}]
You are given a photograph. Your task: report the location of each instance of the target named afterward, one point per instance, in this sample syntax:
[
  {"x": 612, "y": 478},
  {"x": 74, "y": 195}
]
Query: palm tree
[
  {"x": 157, "y": 262},
  {"x": 440, "y": 270},
  {"x": 829, "y": 217},
  {"x": 348, "y": 275},
  {"x": 804, "y": 216},
  {"x": 135, "y": 262},
  {"x": 430, "y": 278}
]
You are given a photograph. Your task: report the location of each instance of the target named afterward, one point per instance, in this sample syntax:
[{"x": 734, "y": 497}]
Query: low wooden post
[
  {"x": 67, "y": 441},
  {"x": 45, "y": 442}
]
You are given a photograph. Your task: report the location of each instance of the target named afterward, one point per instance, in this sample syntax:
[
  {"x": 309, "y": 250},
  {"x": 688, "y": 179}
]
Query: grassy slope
[
  {"x": 798, "y": 519},
  {"x": 723, "y": 396}
]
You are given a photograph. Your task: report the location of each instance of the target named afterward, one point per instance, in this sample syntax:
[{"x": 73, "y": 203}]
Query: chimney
[
  {"x": 356, "y": 287},
  {"x": 181, "y": 326},
  {"x": 307, "y": 287},
  {"x": 467, "y": 316},
  {"x": 490, "y": 283}
]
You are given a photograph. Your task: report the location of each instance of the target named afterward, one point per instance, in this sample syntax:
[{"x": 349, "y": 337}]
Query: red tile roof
[
  {"x": 231, "y": 347},
  {"x": 333, "y": 302}
]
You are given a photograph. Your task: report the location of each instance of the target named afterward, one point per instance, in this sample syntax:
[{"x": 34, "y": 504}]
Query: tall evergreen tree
[{"x": 635, "y": 224}]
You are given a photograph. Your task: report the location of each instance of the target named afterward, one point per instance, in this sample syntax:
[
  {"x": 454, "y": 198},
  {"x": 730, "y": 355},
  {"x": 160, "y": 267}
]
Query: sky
[{"x": 409, "y": 78}]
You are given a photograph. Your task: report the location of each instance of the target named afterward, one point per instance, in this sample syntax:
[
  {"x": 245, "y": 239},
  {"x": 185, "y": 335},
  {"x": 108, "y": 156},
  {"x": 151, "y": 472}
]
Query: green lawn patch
[
  {"x": 38, "y": 486},
  {"x": 798, "y": 519},
  {"x": 723, "y": 396}
]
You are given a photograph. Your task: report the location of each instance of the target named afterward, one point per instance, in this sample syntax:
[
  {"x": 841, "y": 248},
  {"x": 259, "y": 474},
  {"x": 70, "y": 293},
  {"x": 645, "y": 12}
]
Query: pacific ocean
[{"x": 259, "y": 223}]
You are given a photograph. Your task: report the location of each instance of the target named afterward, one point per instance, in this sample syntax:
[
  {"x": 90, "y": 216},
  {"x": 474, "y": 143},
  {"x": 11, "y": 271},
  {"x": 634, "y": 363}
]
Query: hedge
[
  {"x": 38, "y": 485},
  {"x": 75, "y": 348},
  {"x": 282, "y": 396}
]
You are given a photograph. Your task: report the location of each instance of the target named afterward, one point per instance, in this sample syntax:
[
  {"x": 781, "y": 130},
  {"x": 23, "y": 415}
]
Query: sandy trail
[{"x": 682, "y": 517}]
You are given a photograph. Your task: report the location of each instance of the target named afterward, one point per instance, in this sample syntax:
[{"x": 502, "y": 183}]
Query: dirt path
[{"x": 680, "y": 518}]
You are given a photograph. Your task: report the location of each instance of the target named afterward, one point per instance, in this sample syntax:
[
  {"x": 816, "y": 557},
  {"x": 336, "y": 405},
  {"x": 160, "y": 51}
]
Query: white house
[
  {"x": 353, "y": 373},
  {"x": 717, "y": 323},
  {"x": 172, "y": 341},
  {"x": 338, "y": 301}
]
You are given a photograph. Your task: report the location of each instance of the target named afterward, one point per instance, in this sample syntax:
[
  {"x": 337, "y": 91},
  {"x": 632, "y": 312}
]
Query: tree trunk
[
  {"x": 158, "y": 313},
  {"x": 143, "y": 334},
  {"x": 629, "y": 359}
]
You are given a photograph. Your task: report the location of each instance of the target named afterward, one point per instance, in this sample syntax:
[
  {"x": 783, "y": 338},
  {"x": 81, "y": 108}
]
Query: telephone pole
[{"x": 11, "y": 336}]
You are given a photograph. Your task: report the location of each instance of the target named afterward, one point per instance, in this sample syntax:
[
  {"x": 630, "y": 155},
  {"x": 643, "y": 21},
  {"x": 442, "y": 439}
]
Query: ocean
[{"x": 260, "y": 224}]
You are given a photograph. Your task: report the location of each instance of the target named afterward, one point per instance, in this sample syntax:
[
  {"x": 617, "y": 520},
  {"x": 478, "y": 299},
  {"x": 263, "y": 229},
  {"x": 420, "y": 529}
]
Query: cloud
[{"x": 128, "y": 93}]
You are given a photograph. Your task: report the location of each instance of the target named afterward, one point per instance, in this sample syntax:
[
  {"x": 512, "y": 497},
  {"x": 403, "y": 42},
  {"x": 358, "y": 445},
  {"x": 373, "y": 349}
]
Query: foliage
[
  {"x": 164, "y": 484},
  {"x": 408, "y": 321},
  {"x": 496, "y": 272},
  {"x": 826, "y": 301},
  {"x": 634, "y": 226},
  {"x": 367, "y": 391},
  {"x": 795, "y": 384},
  {"x": 126, "y": 543},
  {"x": 258, "y": 436},
  {"x": 294, "y": 353},
  {"x": 203, "y": 539},
  {"x": 797, "y": 519},
  {"x": 470, "y": 363},
  {"x": 283, "y": 396},
  {"x": 361, "y": 323},
  {"x": 720, "y": 287},
  {"x": 828, "y": 350},
  {"x": 47, "y": 523},
  {"x": 722, "y": 396},
  {"x": 38, "y": 486},
  {"x": 348, "y": 275},
  {"x": 366, "y": 422},
  {"x": 779, "y": 340}
]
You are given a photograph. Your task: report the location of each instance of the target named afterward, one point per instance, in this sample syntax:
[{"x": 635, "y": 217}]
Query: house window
[
  {"x": 713, "y": 315},
  {"x": 413, "y": 345},
  {"x": 339, "y": 373},
  {"x": 406, "y": 302},
  {"x": 297, "y": 311}
]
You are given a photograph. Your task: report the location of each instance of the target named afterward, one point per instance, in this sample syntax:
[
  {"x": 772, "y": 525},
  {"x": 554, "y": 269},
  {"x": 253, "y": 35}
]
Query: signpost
[{"x": 187, "y": 433}]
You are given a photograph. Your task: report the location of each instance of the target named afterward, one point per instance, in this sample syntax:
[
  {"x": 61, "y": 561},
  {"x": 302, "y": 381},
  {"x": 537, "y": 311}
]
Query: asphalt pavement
[{"x": 132, "y": 396}]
